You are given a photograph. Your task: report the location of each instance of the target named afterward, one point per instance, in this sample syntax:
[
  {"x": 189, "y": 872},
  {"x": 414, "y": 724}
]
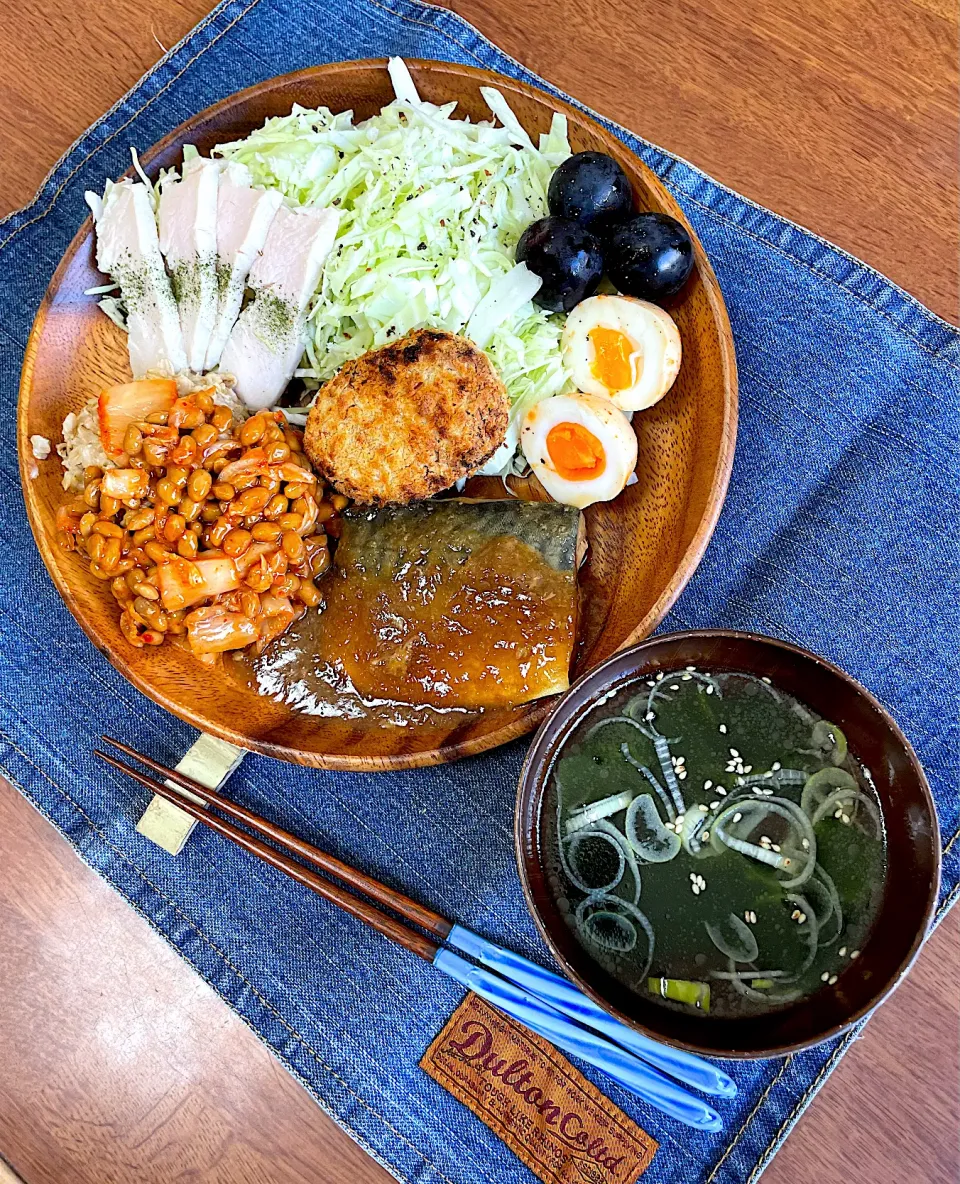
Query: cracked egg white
[
  {"x": 623, "y": 349},
  {"x": 581, "y": 448}
]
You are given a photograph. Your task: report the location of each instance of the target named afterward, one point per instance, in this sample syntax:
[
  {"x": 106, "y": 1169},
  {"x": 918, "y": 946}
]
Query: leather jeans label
[{"x": 531, "y": 1097}]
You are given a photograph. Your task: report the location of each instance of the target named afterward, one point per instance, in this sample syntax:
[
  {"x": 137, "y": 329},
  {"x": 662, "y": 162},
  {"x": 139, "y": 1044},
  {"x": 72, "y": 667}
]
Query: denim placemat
[{"x": 836, "y": 535}]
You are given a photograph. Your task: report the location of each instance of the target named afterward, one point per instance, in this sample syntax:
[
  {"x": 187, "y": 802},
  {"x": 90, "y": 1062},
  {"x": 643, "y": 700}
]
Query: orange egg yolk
[
  {"x": 611, "y": 363},
  {"x": 576, "y": 453}
]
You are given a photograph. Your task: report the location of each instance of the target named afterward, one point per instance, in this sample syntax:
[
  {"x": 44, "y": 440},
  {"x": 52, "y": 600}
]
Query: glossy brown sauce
[{"x": 435, "y": 611}]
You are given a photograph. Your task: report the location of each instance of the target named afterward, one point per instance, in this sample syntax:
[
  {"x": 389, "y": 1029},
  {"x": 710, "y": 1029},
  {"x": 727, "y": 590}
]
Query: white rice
[{"x": 81, "y": 430}]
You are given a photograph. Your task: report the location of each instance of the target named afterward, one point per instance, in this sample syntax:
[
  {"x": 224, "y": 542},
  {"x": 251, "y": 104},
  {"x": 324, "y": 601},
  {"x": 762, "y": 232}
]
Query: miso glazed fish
[{"x": 451, "y": 604}]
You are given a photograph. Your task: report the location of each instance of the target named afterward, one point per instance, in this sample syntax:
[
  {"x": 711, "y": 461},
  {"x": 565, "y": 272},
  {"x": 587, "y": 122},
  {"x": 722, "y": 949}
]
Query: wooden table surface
[{"x": 117, "y": 1063}]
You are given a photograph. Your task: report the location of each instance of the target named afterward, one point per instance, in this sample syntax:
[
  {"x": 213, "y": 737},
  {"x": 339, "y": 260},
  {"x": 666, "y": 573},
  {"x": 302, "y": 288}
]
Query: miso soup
[{"x": 713, "y": 843}]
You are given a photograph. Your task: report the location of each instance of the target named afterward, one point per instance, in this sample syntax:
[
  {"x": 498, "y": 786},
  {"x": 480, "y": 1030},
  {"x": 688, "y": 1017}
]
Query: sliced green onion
[
  {"x": 627, "y": 912},
  {"x": 740, "y": 945},
  {"x": 730, "y": 975},
  {"x": 571, "y": 862},
  {"x": 777, "y": 778},
  {"x": 652, "y": 781},
  {"x": 582, "y": 816},
  {"x": 833, "y": 801},
  {"x": 736, "y": 981},
  {"x": 820, "y": 785},
  {"x": 775, "y": 859},
  {"x": 810, "y": 927},
  {"x": 821, "y": 883},
  {"x": 662, "y": 747},
  {"x": 657, "y": 844},
  {"x": 620, "y": 839},
  {"x": 829, "y": 742},
  {"x": 681, "y": 990},
  {"x": 610, "y": 931}
]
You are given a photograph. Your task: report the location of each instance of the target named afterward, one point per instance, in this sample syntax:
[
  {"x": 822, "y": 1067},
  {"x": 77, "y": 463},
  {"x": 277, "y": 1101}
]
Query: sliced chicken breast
[
  {"x": 187, "y": 217},
  {"x": 244, "y": 216},
  {"x": 128, "y": 250},
  {"x": 267, "y": 341}
]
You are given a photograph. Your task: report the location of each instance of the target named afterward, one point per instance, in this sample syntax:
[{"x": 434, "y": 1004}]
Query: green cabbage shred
[{"x": 431, "y": 209}]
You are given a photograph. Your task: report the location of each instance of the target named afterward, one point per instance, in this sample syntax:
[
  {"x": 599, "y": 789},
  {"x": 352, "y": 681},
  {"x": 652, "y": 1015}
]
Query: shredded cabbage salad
[{"x": 431, "y": 209}]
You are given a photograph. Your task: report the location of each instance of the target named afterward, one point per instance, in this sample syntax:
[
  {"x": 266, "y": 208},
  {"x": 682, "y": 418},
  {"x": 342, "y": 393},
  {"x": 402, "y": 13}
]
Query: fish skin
[{"x": 549, "y": 528}]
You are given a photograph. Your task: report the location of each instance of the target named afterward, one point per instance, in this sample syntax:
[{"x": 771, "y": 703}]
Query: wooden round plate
[{"x": 644, "y": 546}]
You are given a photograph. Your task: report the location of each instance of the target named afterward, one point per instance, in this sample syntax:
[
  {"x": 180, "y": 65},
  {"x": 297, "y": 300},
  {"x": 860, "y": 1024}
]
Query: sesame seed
[
  {"x": 753, "y": 917},
  {"x": 702, "y": 808},
  {"x": 681, "y": 760},
  {"x": 695, "y": 889},
  {"x": 689, "y": 667},
  {"x": 806, "y": 844},
  {"x": 824, "y": 976},
  {"x": 649, "y": 716},
  {"x": 733, "y": 752},
  {"x": 854, "y": 953},
  {"x": 845, "y": 818},
  {"x": 705, "y": 836},
  {"x": 758, "y": 791},
  {"x": 681, "y": 773},
  {"x": 710, "y": 690},
  {"x": 685, "y": 677},
  {"x": 832, "y": 979},
  {"x": 795, "y": 915},
  {"x": 707, "y": 784},
  {"x": 748, "y": 768},
  {"x": 768, "y": 774},
  {"x": 675, "y": 687},
  {"x": 801, "y": 919},
  {"x": 737, "y": 816},
  {"x": 721, "y": 791},
  {"x": 659, "y": 676},
  {"x": 768, "y": 793},
  {"x": 723, "y": 729},
  {"x": 776, "y": 847},
  {"x": 776, "y": 765},
  {"x": 650, "y": 682},
  {"x": 842, "y": 951},
  {"x": 766, "y": 680},
  {"x": 693, "y": 877},
  {"x": 714, "y": 805}
]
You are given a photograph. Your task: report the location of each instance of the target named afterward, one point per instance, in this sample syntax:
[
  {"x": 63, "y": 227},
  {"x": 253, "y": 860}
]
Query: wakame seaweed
[{"x": 695, "y": 854}]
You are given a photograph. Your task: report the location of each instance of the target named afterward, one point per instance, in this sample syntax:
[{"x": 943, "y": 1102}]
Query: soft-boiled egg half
[
  {"x": 581, "y": 448},
  {"x": 623, "y": 349}
]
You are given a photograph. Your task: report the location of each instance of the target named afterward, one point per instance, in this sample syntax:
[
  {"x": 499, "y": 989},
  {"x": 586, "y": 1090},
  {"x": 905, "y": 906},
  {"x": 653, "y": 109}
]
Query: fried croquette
[{"x": 406, "y": 421}]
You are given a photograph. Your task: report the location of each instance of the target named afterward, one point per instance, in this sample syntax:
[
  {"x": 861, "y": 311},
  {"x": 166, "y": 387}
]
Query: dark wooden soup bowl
[{"x": 913, "y": 845}]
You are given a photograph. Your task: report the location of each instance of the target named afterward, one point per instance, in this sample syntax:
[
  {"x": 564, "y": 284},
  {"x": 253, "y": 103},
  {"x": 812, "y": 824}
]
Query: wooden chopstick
[
  {"x": 411, "y": 910},
  {"x": 424, "y": 947}
]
